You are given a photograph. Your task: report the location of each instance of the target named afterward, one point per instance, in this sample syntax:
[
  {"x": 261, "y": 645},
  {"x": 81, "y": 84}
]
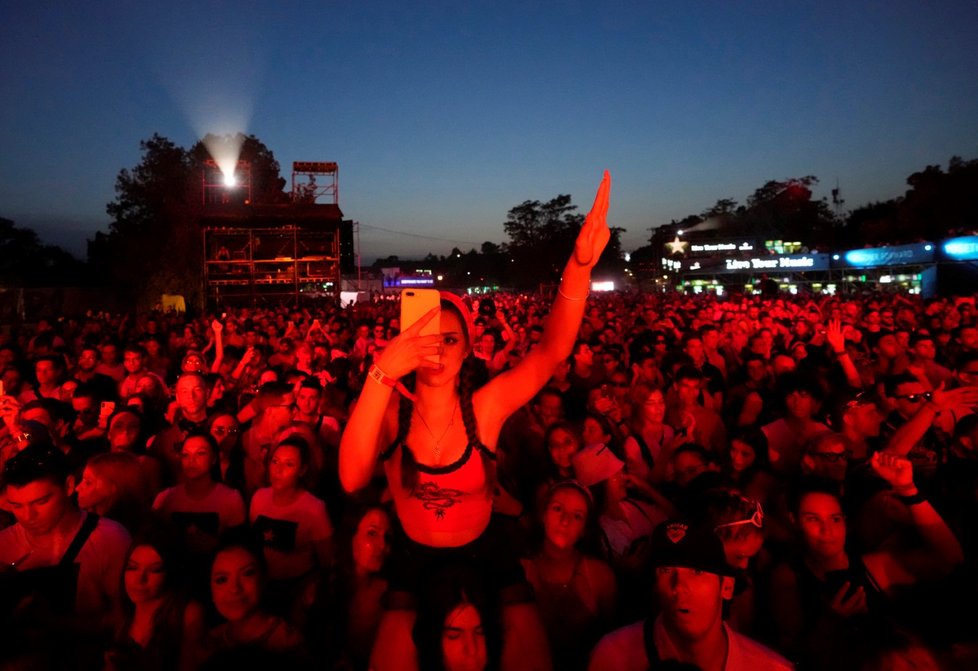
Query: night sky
[{"x": 444, "y": 115}]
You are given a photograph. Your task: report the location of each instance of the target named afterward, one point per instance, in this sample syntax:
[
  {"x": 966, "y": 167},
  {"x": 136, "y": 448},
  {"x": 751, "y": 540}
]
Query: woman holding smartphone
[{"x": 437, "y": 439}]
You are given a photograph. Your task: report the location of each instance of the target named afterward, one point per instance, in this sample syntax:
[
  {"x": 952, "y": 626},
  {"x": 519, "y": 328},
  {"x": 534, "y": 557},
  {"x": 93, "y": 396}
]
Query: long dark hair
[
  {"x": 459, "y": 585},
  {"x": 169, "y": 617},
  {"x": 466, "y": 388}
]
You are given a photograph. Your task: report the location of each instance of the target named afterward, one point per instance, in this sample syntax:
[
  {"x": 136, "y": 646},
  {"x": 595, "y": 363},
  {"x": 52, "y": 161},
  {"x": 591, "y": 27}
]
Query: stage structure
[{"x": 262, "y": 253}]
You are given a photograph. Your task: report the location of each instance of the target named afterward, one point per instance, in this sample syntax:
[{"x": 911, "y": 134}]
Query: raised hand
[
  {"x": 895, "y": 470},
  {"x": 961, "y": 396},
  {"x": 594, "y": 234},
  {"x": 835, "y": 336},
  {"x": 409, "y": 350}
]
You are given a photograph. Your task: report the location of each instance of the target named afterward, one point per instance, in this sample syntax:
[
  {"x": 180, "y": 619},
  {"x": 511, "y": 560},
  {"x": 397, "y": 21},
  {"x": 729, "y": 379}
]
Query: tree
[
  {"x": 785, "y": 209},
  {"x": 542, "y": 237},
  {"x": 153, "y": 244},
  {"x": 26, "y": 262}
]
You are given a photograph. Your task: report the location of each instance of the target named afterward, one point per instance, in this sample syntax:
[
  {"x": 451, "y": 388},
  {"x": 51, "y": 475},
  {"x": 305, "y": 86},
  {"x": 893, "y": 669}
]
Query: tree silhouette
[{"x": 153, "y": 244}]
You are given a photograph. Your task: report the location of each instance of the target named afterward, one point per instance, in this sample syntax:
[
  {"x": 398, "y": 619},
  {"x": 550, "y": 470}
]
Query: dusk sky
[{"x": 444, "y": 115}]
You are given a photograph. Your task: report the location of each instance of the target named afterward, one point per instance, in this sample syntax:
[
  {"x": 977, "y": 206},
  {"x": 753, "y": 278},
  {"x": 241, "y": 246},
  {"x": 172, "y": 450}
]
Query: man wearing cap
[{"x": 692, "y": 580}]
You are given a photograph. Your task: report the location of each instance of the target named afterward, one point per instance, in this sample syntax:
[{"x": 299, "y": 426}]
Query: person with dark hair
[
  {"x": 692, "y": 581},
  {"x": 308, "y": 409},
  {"x": 157, "y": 626},
  {"x": 126, "y": 432},
  {"x": 86, "y": 373},
  {"x": 575, "y": 590},
  {"x": 238, "y": 575},
  {"x": 441, "y": 471},
  {"x": 272, "y": 412},
  {"x": 856, "y": 416},
  {"x": 650, "y": 440},
  {"x": 458, "y": 627},
  {"x": 739, "y": 522},
  {"x": 110, "y": 364},
  {"x": 56, "y": 557},
  {"x": 113, "y": 485},
  {"x": 226, "y": 431},
  {"x": 345, "y": 617},
  {"x": 786, "y": 436},
  {"x": 821, "y": 599},
  {"x": 135, "y": 359},
  {"x": 292, "y": 524},
  {"x": 687, "y": 415},
  {"x": 48, "y": 373},
  {"x": 746, "y": 464},
  {"x": 200, "y": 505}
]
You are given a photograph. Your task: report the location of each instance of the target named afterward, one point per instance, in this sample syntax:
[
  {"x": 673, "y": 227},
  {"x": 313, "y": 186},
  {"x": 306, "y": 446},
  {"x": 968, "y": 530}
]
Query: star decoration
[
  {"x": 269, "y": 536},
  {"x": 677, "y": 246}
]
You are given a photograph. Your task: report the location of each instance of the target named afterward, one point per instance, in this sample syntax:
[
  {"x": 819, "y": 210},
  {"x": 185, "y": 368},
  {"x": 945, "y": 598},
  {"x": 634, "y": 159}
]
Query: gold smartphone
[{"x": 415, "y": 304}]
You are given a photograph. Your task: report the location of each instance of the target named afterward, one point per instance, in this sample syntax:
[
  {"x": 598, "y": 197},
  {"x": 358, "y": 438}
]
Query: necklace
[{"x": 451, "y": 423}]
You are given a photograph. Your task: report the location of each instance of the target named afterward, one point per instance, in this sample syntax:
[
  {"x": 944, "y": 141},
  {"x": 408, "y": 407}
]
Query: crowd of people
[{"x": 616, "y": 481}]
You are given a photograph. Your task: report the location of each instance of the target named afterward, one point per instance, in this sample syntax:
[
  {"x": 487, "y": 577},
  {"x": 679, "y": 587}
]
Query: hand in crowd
[
  {"x": 595, "y": 233},
  {"x": 410, "y": 350},
  {"x": 835, "y": 336},
  {"x": 9, "y": 407},
  {"x": 895, "y": 470},
  {"x": 960, "y": 397}
]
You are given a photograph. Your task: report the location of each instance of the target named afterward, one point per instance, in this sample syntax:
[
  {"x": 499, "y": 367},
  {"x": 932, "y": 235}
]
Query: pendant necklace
[{"x": 444, "y": 433}]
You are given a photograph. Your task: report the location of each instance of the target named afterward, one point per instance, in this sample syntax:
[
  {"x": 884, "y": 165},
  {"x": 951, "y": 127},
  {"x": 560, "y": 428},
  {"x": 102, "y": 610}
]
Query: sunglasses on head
[{"x": 757, "y": 519}]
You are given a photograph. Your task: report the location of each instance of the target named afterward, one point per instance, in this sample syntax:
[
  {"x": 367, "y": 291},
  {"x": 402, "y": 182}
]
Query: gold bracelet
[{"x": 584, "y": 298}]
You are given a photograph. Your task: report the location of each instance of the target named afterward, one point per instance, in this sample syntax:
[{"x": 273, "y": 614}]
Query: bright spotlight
[{"x": 229, "y": 180}]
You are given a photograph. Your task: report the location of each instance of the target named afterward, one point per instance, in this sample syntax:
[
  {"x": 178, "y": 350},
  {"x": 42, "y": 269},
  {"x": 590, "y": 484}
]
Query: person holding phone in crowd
[{"x": 438, "y": 441}]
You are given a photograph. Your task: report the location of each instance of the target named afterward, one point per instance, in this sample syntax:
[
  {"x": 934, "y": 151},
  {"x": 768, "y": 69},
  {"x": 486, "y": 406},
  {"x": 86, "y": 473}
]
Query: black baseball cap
[{"x": 678, "y": 544}]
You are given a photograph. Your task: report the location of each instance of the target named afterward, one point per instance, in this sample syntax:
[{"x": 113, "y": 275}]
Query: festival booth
[{"x": 906, "y": 268}]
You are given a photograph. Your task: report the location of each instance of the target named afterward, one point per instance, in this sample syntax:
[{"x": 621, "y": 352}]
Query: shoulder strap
[
  {"x": 78, "y": 542},
  {"x": 643, "y": 449},
  {"x": 648, "y": 637}
]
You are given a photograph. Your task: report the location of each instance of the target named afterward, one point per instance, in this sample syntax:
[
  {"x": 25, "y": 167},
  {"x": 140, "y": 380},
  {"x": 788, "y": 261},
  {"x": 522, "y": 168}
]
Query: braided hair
[{"x": 467, "y": 384}]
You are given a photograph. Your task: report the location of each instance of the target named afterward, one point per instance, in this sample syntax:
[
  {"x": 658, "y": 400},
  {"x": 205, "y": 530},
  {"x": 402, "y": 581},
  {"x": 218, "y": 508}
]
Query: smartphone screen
[{"x": 416, "y": 303}]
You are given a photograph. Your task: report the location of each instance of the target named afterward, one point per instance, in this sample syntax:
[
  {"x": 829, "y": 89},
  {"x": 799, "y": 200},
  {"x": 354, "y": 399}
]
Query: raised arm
[
  {"x": 505, "y": 393},
  {"x": 836, "y": 339},
  {"x": 361, "y": 442},
  {"x": 942, "y": 551},
  {"x": 218, "y": 329},
  {"x": 910, "y": 432}
]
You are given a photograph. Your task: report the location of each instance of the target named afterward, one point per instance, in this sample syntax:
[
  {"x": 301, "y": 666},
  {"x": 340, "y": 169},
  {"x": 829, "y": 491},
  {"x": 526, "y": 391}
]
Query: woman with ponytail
[{"x": 437, "y": 438}]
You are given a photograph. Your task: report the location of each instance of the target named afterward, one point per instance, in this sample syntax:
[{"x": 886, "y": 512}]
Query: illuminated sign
[
  {"x": 962, "y": 249},
  {"x": 722, "y": 247},
  {"x": 790, "y": 262},
  {"x": 805, "y": 262},
  {"x": 603, "y": 286},
  {"x": 922, "y": 252},
  {"x": 408, "y": 281}
]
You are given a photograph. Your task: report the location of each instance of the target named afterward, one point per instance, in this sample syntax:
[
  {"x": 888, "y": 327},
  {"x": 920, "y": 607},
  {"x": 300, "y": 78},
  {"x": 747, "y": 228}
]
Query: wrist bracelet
[
  {"x": 911, "y": 499},
  {"x": 583, "y": 298},
  {"x": 380, "y": 377},
  {"x": 377, "y": 375}
]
